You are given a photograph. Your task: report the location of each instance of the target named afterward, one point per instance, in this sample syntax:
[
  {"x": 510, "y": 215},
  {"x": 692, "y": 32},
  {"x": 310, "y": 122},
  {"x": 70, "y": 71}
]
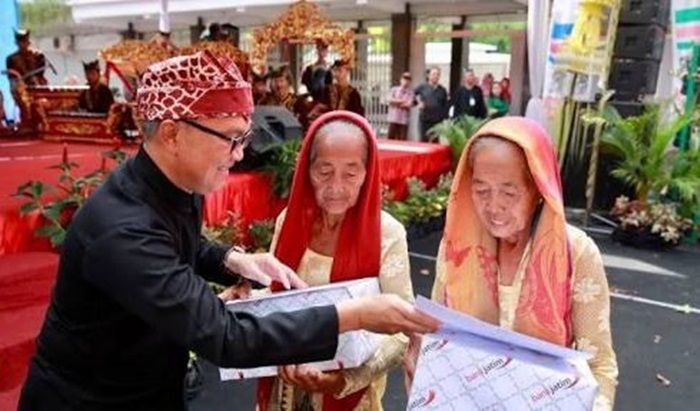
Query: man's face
[
  {"x": 260, "y": 87},
  {"x": 342, "y": 73},
  {"x": 204, "y": 160},
  {"x": 281, "y": 85},
  {"x": 405, "y": 82},
  {"x": 23, "y": 44},
  {"x": 92, "y": 77},
  {"x": 470, "y": 79},
  {"x": 434, "y": 76},
  {"x": 322, "y": 52}
]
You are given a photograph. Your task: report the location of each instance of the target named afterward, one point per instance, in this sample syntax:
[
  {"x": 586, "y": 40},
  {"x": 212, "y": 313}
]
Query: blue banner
[{"x": 9, "y": 19}]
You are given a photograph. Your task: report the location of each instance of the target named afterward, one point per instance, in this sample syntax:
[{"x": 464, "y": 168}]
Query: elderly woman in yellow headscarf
[{"x": 508, "y": 256}]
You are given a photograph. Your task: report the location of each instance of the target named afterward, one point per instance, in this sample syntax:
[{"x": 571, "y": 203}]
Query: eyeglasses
[{"x": 242, "y": 140}]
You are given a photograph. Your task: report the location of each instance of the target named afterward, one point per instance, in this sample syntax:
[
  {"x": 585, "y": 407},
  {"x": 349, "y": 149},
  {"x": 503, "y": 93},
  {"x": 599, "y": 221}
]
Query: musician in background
[
  {"x": 28, "y": 62},
  {"x": 282, "y": 93},
  {"x": 25, "y": 67},
  {"x": 98, "y": 98},
  {"x": 341, "y": 95},
  {"x": 259, "y": 87},
  {"x": 317, "y": 76}
]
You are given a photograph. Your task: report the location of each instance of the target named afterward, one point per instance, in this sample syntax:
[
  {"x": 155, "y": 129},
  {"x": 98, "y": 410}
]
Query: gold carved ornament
[{"x": 303, "y": 22}]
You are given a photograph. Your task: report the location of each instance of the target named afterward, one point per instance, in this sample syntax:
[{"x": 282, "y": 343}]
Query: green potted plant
[
  {"x": 665, "y": 179},
  {"x": 456, "y": 133},
  {"x": 280, "y": 163},
  {"x": 69, "y": 195}
]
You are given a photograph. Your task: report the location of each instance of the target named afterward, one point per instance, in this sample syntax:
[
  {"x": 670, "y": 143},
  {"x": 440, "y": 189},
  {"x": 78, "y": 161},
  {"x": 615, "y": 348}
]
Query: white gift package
[
  {"x": 354, "y": 347},
  {"x": 472, "y": 365}
]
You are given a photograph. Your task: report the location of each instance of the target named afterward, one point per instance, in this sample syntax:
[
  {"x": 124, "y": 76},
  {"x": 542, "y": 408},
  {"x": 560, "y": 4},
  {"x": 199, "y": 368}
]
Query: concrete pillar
[
  {"x": 417, "y": 68},
  {"x": 361, "y": 55},
  {"x": 130, "y": 33},
  {"x": 402, "y": 30},
  {"x": 518, "y": 61},
  {"x": 460, "y": 56},
  {"x": 197, "y": 30},
  {"x": 291, "y": 58},
  {"x": 235, "y": 35}
]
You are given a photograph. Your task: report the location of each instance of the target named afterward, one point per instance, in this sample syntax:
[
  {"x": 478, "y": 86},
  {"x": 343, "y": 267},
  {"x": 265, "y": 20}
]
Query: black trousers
[{"x": 426, "y": 125}]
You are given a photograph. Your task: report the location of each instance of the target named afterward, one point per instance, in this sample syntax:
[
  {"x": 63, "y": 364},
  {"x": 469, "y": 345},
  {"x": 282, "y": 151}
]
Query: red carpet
[{"x": 26, "y": 281}]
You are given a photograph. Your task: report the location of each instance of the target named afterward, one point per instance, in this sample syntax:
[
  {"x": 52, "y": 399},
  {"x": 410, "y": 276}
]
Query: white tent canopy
[{"x": 144, "y": 14}]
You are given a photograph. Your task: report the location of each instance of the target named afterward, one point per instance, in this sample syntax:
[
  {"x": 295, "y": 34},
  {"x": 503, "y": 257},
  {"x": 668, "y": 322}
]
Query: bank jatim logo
[
  {"x": 552, "y": 389},
  {"x": 491, "y": 365},
  {"x": 423, "y": 401},
  {"x": 434, "y": 346}
]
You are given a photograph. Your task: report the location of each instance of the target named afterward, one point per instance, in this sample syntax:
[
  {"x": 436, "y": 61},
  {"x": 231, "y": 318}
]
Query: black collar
[{"x": 159, "y": 183}]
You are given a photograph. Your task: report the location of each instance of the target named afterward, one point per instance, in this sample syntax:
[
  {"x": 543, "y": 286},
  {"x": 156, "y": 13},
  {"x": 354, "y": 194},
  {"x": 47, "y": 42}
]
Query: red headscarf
[{"x": 358, "y": 249}]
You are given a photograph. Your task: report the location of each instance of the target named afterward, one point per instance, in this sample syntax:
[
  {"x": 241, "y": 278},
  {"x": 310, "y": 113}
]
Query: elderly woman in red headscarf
[
  {"x": 509, "y": 257},
  {"x": 334, "y": 230}
]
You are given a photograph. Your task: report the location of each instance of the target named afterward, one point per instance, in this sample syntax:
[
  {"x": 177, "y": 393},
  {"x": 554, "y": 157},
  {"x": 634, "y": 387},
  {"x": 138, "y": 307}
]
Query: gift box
[
  {"x": 354, "y": 347},
  {"x": 472, "y": 365}
]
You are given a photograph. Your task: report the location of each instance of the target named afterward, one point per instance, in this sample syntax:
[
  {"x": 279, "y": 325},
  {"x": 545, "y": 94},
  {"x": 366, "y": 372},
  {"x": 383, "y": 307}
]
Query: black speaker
[
  {"x": 628, "y": 108},
  {"x": 633, "y": 77},
  {"x": 645, "y": 12},
  {"x": 272, "y": 125},
  {"x": 640, "y": 42}
]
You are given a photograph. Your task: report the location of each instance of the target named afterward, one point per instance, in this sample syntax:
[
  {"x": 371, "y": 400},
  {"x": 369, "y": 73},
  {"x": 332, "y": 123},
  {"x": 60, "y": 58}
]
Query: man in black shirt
[
  {"x": 432, "y": 102},
  {"x": 469, "y": 98},
  {"x": 131, "y": 296},
  {"x": 98, "y": 98}
]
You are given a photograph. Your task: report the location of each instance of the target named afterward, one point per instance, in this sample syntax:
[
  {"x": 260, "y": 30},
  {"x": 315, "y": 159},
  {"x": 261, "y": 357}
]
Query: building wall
[{"x": 67, "y": 58}]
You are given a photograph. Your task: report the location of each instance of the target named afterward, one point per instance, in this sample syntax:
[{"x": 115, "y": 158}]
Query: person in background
[
  {"x": 341, "y": 95},
  {"x": 334, "y": 230},
  {"x": 433, "y": 102},
  {"x": 282, "y": 94},
  {"x": 317, "y": 76},
  {"x": 497, "y": 106},
  {"x": 469, "y": 100},
  {"x": 98, "y": 97},
  {"x": 25, "y": 68},
  {"x": 260, "y": 87},
  {"x": 486, "y": 84},
  {"x": 505, "y": 86},
  {"x": 509, "y": 257},
  {"x": 401, "y": 99},
  {"x": 28, "y": 62}
]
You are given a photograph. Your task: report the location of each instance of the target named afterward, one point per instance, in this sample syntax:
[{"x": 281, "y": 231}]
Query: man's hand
[
  {"x": 385, "y": 314},
  {"x": 312, "y": 380},
  {"x": 263, "y": 268}
]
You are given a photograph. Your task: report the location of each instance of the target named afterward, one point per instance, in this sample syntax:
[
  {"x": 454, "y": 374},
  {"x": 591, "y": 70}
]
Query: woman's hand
[
  {"x": 312, "y": 380},
  {"x": 410, "y": 358},
  {"x": 240, "y": 291}
]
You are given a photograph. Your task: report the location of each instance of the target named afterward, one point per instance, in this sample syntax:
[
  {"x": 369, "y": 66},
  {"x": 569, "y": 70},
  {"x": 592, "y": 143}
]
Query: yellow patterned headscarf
[{"x": 468, "y": 252}]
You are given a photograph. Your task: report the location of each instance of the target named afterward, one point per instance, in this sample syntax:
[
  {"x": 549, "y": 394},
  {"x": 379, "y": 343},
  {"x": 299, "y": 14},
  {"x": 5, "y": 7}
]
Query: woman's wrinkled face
[
  {"x": 338, "y": 170},
  {"x": 503, "y": 192}
]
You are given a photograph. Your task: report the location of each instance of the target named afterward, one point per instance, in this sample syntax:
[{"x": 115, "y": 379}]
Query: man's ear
[{"x": 168, "y": 135}]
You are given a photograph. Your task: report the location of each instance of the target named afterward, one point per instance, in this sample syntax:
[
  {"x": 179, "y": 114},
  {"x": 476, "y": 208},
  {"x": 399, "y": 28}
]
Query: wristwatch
[{"x": 234, "y": 249}]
